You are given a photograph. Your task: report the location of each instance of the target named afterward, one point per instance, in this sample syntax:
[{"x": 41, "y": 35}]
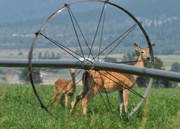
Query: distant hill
[
  {"x": 161, "y": 19},
  {"x": 21, "y": 10},
  {"x": 12, "y": 11}
]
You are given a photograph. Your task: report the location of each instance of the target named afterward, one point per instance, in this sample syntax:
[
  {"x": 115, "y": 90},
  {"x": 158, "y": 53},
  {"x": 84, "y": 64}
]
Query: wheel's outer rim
[{"x": 117, "y": 6}]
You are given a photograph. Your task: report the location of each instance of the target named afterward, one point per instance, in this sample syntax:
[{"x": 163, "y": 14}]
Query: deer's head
[
  {"x": 144, "y": 52},
  {"x": 72, "y": 71}
]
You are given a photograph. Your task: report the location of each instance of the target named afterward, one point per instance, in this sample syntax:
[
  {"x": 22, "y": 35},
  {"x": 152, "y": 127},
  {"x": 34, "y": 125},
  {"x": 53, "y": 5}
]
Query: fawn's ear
[
  {"x": 153, "y": 45},
  {"x": 136, "y": 46}
]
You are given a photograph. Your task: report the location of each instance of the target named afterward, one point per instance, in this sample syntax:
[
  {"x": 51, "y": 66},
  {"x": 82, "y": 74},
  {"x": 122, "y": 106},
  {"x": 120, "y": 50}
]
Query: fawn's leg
[
  {"x": 62, "y": 99},
  {"x": 52, "y": 100},
  {"x": 66, "y": 100}
]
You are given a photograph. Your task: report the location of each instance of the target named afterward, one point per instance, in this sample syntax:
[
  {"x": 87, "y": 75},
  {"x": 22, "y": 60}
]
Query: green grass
[{"x": 19, "y": 109}]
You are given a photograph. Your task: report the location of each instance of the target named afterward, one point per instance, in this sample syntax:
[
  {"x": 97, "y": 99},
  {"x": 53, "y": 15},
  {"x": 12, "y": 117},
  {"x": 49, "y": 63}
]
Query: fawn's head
[
  {"x": 72, "y": 71},
  {"x": 144, "y": 52}
]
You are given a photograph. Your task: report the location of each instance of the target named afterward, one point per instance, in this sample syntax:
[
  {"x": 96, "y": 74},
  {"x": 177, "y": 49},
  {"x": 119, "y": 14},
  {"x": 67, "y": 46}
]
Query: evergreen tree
[
  {"x": 110, "y": 59},
  {"x": 175, "y": 67},
  {"x": 46, "y": 55},
  {"x": 25, "y": 78},
  {"x": 40, "y": 55},
  {"x": 36, "y": 76},
  {"x": 53, "y": 55}
]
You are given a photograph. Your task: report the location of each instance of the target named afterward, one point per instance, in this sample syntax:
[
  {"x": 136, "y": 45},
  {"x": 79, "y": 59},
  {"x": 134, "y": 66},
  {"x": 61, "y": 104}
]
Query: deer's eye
[{"x": 142, "y": 51}]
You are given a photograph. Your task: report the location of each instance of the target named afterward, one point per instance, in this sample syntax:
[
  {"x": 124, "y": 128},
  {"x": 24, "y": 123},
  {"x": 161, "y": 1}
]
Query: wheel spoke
[
  {"x": 66, "y": 49},
  {"x": 125, "y": 34},
  {"x": 71, "y": 15},
  {"x": 97, "y": 28}
]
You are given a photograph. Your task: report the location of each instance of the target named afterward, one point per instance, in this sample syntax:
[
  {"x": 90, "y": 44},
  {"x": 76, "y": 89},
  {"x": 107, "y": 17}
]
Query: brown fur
[
  {"x": 95, "y": 82},
  {"x": 65, "y": 88}
]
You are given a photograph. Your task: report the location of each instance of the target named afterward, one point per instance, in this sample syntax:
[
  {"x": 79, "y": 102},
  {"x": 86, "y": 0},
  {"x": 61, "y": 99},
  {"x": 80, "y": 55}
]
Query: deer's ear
[
  {"x": 153, "y": 45},
  {"x": 136, "y": 46}
]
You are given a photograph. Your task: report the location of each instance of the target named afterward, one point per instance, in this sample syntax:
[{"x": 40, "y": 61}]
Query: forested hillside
[{"x": 160, "y": 18}]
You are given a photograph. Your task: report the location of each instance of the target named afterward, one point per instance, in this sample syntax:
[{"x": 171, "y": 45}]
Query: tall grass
[{"x": 20, "y": 109}]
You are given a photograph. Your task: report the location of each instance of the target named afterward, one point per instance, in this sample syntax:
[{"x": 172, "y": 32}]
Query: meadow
[{"x": 19, "y": 109}]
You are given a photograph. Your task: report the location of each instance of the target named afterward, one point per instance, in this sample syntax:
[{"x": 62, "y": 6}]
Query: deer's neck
[
  {"x": 73, "y": 80},
  {"x": 139, "y": 63}
]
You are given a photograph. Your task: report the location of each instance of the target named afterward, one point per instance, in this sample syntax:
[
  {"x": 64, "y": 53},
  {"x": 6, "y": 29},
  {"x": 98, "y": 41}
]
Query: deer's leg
[
  {"x": 76, "y": 100},
  {"x": 125, "y": 97},
  {"x": 121, "y": 101},
  {"x": 71, "y": 99},
  {"x": 93, "y": 91}
]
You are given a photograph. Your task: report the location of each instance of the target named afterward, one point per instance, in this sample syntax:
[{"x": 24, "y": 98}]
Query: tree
[
  {"x": 110, "y": 59},
  {"x": 158, "y": 64},
  {"x": 46, "y": 55},
  {"x": 23, "y": 76},
  {"x": 40, "y": 55},
  {"x": 53, "y": 55},
  {"x": 36, "y": 76},
  {"x": 20, "y": 53},
  {"x": 175, "y": 67},
  {"x": 130, "y": 56}
]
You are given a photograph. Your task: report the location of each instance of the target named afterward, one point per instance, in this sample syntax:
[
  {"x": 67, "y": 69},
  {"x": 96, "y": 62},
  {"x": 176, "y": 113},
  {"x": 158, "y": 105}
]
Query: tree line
[{"x": 48, "y": 55}]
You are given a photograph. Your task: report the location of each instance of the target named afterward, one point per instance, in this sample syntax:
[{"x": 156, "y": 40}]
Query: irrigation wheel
[{"x": 102, "y": 32}]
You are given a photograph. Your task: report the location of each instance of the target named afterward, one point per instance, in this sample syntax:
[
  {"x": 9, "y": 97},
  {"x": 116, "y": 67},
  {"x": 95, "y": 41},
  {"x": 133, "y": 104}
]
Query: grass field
[{"x": 19, "y": 109}]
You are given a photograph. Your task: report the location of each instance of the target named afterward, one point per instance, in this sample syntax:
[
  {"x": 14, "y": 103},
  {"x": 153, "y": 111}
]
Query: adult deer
[
  {"x": 65, "y": 88},
  {"x": 95, "y": 82}
]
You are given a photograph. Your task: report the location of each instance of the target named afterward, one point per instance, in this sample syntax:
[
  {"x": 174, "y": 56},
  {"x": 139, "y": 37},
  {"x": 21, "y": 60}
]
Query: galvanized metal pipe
[{"x": 122, "y": 68}]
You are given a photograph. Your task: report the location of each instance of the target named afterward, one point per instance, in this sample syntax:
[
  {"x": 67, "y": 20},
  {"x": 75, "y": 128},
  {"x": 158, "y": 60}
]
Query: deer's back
[
  {"x": 111, "y": 81},
  {"x": 64, "y": 86}
]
